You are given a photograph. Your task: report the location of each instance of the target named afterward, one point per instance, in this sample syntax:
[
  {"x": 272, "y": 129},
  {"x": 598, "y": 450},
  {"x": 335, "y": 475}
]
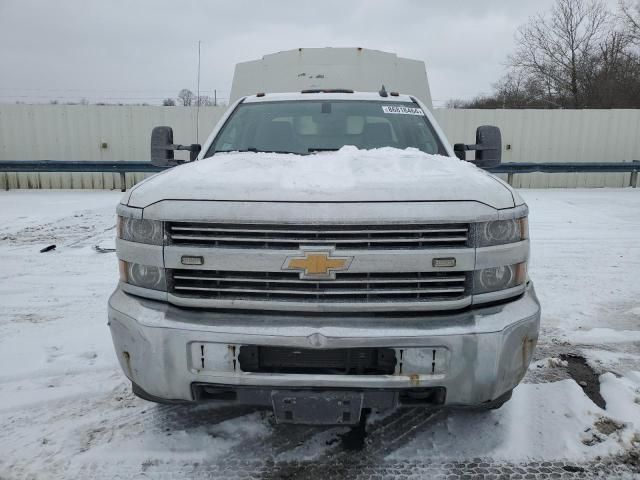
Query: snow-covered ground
[{"x": 66, "y": 410}]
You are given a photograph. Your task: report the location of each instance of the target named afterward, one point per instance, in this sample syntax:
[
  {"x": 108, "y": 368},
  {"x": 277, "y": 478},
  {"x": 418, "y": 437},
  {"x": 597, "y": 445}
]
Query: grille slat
[
  {"x": 271, "y": 236},
  {"x": 297, "y": 241},
  {"x": 399, "y": 291},
  {"x": 347, "y": 287},
  {"x": 177, "y": 228},
  {"x": 306, "y": 282}
]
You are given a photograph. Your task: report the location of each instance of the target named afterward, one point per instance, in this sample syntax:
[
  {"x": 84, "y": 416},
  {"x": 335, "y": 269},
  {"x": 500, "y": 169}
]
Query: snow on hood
[{"x": 349, "y": 175}]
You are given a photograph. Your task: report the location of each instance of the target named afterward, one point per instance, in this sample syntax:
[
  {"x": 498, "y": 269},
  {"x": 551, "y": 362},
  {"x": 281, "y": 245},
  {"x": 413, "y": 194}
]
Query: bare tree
[
  {"x": 514, "y": 90},
  {"x": 551, "y": 49},
  {"x": 630, "y": 15},
  {"x": 456, "y": 103},
  {"x": 579, "y": 54},
  {"x": 169, "y": 102},
  {"x": 612, "y": 78},
  {"x": 204, "y": 101},
  {"x": 186, "y": 97}
]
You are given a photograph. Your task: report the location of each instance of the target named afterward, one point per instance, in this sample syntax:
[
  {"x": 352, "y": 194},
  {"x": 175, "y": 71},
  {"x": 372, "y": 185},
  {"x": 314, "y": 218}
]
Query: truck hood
[{"x": 348, "y": 175}]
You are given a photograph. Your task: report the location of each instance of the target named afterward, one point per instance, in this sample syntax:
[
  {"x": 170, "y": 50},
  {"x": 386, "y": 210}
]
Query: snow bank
[
  {"x": 349, "y": 174},
  {"x": 541, "y": 422},
  {"x": 335, "y": 170},
  {"x": 622, "y": 395}
]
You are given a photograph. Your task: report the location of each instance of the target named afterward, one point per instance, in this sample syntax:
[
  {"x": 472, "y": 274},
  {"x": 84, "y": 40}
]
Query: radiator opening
[{"x": 340, "y": 361}]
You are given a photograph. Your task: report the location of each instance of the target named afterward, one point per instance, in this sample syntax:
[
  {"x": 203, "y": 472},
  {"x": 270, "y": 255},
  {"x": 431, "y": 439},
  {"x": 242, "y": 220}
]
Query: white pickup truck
[{"x": 324, "y": 253}]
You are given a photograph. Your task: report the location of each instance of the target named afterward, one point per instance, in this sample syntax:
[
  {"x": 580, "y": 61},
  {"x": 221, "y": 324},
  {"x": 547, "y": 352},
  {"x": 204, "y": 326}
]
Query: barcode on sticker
[{"x": 402, "y": 110}]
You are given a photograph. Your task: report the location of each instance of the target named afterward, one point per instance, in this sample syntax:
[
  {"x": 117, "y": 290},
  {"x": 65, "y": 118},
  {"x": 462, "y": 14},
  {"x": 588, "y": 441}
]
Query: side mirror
[
  {"x": 488, "y": 147},
  {"x": 162, "y": 148},
  {"x": 490, "y": 139}
]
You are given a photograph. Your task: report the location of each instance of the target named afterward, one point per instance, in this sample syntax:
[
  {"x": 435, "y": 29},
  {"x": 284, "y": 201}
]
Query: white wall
[
  {"x": 555, "y": 136},
  {"x": 76, "y": 132}
]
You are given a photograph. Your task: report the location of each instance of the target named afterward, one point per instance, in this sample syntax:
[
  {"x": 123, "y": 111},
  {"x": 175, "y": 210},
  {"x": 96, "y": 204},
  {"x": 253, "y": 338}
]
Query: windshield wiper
[
  {"x": 320, "y": 149},
  {"x": 257, "y": 150}
]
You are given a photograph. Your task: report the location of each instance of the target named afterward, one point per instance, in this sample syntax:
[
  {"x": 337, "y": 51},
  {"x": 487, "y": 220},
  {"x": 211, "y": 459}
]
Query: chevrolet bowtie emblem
[{"x": 317, "y": 264}]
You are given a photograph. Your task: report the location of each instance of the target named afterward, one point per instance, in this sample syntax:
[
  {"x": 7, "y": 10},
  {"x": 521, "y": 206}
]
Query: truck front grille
[
  {"x": 268, "y": 236},
  {"x": 347, "y": 287},
  {"x": 337, "y": 361}
]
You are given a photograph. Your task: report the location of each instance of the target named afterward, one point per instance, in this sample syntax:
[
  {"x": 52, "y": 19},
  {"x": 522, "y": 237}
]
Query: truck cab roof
[{"x": 330, "y": 94}]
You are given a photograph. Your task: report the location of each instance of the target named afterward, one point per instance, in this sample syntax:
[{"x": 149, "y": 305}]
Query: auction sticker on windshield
[{"x": 402, "y": 110}]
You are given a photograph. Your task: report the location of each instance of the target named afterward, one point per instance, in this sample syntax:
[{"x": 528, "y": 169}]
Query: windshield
[{"x": 307, "y": 126}]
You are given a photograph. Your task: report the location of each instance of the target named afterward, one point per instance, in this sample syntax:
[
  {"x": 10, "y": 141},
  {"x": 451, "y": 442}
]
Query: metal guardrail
[
  {"x": 124, "y": 167},
  {"x": 117, "y": 166},
  {"x": 567, "y": 167},
  {"x": 77, "y": 166},
  {"x": 570, "y": 167}
]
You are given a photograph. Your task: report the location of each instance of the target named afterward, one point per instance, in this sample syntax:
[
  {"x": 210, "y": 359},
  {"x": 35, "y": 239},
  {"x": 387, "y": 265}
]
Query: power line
[
  {"x": 69, "y": 97},
  {"x": 97, "y": 90}
]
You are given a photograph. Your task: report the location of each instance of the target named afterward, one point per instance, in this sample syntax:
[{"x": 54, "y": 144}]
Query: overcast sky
[{"x": 143, "y": 51}]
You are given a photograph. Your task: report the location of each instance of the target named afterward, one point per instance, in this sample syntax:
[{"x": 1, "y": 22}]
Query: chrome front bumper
[{"x": 165, "y": 350}]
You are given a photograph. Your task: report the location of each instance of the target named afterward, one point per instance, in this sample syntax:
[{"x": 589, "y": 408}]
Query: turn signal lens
[
  {"x": 122, "y": 267},
  {"x": 521, "y": 273},
  {"x": 524, "y": 227}
]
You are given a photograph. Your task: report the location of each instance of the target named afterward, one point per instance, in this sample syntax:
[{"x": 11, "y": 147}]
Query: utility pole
[{"x": 198, "y": 99}]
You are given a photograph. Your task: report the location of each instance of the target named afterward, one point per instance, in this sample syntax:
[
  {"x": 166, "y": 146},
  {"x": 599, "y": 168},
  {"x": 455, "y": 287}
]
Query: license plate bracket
[{"x": 317, "y": 408}]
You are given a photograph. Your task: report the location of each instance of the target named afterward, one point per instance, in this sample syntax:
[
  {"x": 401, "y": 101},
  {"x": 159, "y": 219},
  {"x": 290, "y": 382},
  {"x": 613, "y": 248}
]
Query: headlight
[
  {"x": 499, "y": 232},
  {"x": 145, "y": 276},
  {"x": 140, "y": 231},
  {"x": 499, "y": 278}
]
